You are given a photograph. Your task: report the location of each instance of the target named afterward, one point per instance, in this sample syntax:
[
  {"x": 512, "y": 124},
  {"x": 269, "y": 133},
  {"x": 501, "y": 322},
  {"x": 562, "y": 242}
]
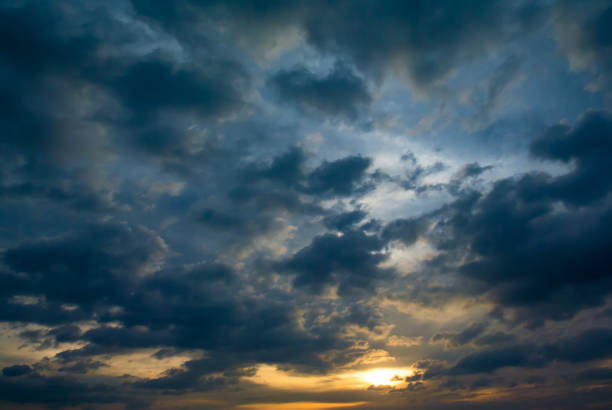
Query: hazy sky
[{"x": 305, "y": 204}]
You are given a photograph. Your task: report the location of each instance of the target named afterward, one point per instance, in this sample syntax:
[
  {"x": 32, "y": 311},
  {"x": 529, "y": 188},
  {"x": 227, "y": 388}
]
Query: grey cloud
[
  {"x": 456, "y": 339},
  {"x": 499, "y": 81},
  {"x": 341, "y": 177},
  {"x": 16, "y": 370},
  {"x": 590, "y": 345},
  {"x": 517, "y": 249},
  {"x": 344, "y": 220},
  {"x": 339, "y": 94},
  {"x": 427, "y": 39},
  {"x": 349, "y": 261},
  {"x": 153, "y": 200},
  {"x": 587, "y": 144},
  {"x": 471, "y": 170},
  {"x": 582, "y": 32},
  {"x": 405, "y": 230}
]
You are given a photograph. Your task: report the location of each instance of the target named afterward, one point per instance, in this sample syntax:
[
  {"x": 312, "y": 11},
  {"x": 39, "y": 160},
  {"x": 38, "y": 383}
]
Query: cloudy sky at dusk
[{"x": 291, "y": 205}]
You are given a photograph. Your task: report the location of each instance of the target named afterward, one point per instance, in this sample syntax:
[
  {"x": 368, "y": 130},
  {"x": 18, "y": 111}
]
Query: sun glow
[
  {"x": 361, "y": 379},
  {"x": 385, "y": 377}
]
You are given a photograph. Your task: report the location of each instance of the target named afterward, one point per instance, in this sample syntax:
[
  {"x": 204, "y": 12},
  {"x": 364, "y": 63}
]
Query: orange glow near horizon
[
  {"x": 384, "y": 377},
  {"x": 352, "y": 380},
  {"x": 300, "y": 405}
]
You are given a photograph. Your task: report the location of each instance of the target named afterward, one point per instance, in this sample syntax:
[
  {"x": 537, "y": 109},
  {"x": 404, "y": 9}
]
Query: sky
[{"x": 286, "y": 205}]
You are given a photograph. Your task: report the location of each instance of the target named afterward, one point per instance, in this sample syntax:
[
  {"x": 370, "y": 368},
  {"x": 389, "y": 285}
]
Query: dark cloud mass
[
  {"x": 350, "y": 260},
  {"x": 305, "y": 204},
  {"x": 339, "y": 93}
]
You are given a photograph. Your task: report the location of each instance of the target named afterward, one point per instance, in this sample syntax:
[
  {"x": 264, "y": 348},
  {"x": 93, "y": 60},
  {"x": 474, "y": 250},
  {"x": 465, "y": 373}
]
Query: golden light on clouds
[
  {"x": 141, "y": 364},
  {"x": 349, "y": 380},
  {"x": 299, "y": 405},
  {"x": 384, "y": 377}
]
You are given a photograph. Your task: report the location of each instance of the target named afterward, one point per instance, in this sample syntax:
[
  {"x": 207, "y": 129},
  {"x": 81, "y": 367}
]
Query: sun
[{"x": 379, "y": 377}]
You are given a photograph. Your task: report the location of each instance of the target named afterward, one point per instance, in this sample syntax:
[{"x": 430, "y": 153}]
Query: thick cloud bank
[{"x": 305, "y": 204}]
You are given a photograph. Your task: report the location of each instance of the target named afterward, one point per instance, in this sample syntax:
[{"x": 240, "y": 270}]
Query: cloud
[
  {"x": 590, "y": 345},
  {"x": 339, "y": 94},
  {"x": 16, "y": 370},
  {"x": 513, "y": 243},
  {"x": 456, "y": 339},
  {"x": 595, "y": 374},
  {"x": 344, "y": 220},
  {"x": 156, "y": 202},
  {"x": 499, "y": 81},
  {"x": 426, "y": 40},
  {"x": 83, "y": 268},
  {"x": 587, "y": 145},
  {"x": 64, "y": 391},
  {"x": 404, "y": 341},
  {"x": 283, "y": 186},
  {"x": 340, "y": 177},
  {"x": 405, "y": 230},
  {"x": 581, "y": 31},
  {"x": 349, "y": 261},
  {"x": 423, "y": 41}
]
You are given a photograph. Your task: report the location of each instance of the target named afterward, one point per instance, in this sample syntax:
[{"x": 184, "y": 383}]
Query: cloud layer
[{"x": 373, "y": 204}]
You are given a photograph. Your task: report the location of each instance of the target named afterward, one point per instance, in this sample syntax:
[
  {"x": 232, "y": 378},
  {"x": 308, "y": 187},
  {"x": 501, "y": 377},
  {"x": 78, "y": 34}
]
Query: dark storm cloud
[
  {"x": 456, "y": 339},
  {"x": 54, "y": 337},
  {"x": 253, "y": 23},
  {"x": 73, "y": 55},
  {"x": 16, "y": 370},
  {"x": 173, "y": 88},
  {"x": 74, "y": 99},
  {"x": 595, "y": 374},
  {"x": 426, "y": 39},
  {"x": 286, "y": 168},
  {"x": 514, "y": 243},
  {"x": 341, "y": 177},
  {"x": 194, "y": 307},
  {"x": 262, "y": 197},
  {"x": 32, "y": 39},
  {"x": 587, "y": 146},
  {"x": 190, "y": 376},
  {"x": 413, "y": 179},
  {"x": 405, "y": 230},
  {"x": 590, "y": 345},
  {"x": 151, "y": 89},
  {"x": 531, "y": 258},
  {"x": 81, "y": 366},
  {"x": 144, "y": 167},
  {"x": 58, "y": 392},
  {"x": 221, "y": 221},
  {"x": 344, "y": 220},
  {"x": 491, "y": 360},
  {"x": 463, "y": 177},
  {"x": 36, "y": 52},
  {"x": 338, "y": 94},
  {"x": 35, "y": 45},
  {"x": 427, "y": 369},
  {"x": 349, "y": 261},
  {"x": 284, "y": 184},
  {"x": 471, "y": 171},
  {"x": 494, "y": 339},
  {"x": 197, "y": 307},
  {"x": 423, "y": 39},
  {"x": 94, "y": 266},
  {"x": 582, "y": 31}
]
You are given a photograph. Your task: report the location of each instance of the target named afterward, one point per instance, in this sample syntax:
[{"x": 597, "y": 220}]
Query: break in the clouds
[{"x": 305, "y": 204}]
